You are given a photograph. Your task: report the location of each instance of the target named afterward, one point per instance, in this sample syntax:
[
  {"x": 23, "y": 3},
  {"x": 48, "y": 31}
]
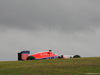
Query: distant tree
[{"x": 77, "y": 56}]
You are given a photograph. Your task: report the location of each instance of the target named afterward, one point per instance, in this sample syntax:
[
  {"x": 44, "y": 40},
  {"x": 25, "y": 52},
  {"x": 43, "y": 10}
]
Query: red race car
[{"x": 40, "y": 55}]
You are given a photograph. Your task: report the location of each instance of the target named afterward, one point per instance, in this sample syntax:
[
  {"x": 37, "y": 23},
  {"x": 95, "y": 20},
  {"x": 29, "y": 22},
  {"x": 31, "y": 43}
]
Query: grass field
[{"x": 71, "y": 66}]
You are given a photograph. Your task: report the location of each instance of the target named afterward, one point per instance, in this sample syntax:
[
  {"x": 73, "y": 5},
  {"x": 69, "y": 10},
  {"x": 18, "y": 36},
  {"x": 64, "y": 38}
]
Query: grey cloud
[
  {"x": 65, "y": 26},
  {"x": 64, "y": 15}
]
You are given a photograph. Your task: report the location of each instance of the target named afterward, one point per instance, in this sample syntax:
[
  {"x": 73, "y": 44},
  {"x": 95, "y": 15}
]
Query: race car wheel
[{"x": 31, "y": 58}]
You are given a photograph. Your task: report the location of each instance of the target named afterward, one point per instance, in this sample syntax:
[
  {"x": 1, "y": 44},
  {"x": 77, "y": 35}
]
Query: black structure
[
  {"x": 22, "y": 52},
  {"x": 62, "y": 56},
  {"x": 50, "y": 50},
  {"x": 19, "y": 56}
]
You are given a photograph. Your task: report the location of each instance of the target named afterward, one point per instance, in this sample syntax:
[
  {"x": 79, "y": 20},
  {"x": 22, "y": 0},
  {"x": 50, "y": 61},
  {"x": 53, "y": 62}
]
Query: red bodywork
[
  {"x": 45, "y": 55},
  {"x": 41, "y": 55},
  {"x": 24, "y": 56}
]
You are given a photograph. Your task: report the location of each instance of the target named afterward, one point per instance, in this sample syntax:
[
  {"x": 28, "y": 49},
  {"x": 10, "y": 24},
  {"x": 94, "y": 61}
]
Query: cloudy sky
[{"x": 65, "y": 26}]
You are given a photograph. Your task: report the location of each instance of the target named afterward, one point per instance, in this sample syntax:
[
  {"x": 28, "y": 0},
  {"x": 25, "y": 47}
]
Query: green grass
[{"x": 71, "y": 66}]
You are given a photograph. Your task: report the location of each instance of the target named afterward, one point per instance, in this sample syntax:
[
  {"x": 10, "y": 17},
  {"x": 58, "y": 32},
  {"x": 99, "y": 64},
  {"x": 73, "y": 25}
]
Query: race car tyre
[{"x": 31, "y": 58}]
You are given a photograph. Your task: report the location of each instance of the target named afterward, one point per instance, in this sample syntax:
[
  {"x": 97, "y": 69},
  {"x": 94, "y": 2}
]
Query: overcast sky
[{"x": 65, "y": 26}]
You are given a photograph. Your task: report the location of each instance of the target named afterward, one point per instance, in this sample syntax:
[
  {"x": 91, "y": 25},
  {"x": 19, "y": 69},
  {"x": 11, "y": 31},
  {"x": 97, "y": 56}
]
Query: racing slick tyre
[{"x": 31, "y": 58}]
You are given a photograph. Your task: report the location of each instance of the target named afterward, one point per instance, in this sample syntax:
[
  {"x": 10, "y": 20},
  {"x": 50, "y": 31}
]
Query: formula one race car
[{"x": 40, "y": 55}]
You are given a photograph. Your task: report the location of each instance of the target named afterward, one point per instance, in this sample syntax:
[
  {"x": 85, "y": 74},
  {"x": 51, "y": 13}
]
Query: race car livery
[{"x": 40, "y": 55}]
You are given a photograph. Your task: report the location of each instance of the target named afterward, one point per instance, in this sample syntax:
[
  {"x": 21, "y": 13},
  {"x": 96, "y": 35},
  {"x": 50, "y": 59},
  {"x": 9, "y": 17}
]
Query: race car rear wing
[{"x": 23, "y": 55}]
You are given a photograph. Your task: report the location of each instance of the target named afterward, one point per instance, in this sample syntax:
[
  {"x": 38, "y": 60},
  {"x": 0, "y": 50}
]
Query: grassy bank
[{"x": 72, "y": 66}]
